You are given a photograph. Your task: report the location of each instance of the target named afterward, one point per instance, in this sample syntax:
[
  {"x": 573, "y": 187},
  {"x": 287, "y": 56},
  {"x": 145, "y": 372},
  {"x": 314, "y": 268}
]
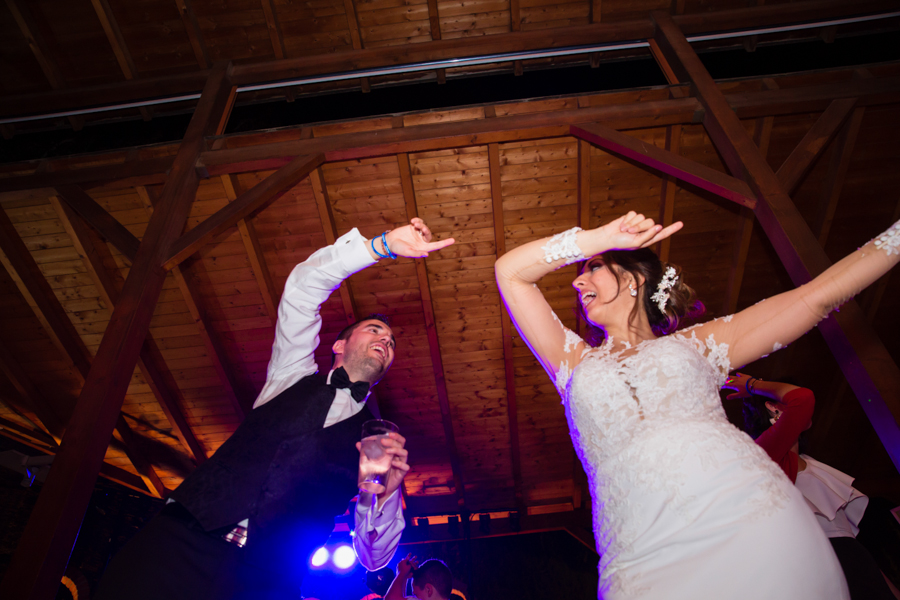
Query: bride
[{"x": 685, "y": 506}]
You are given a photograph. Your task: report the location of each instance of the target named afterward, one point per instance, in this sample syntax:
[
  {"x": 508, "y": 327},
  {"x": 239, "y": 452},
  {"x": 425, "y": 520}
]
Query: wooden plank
[
  {"x": 596, "y": 16},
  {"x": 515, "y": 17},
  {"x": 667, "y": 190},
  {"x": 150, "y": 363},
  {"x": 837, "y": 174},
  {"x": 194, "y": 33},
  {"x": 104, "y": 223},
  {"x": 41, "y": 556},
  {"x": 255, "y": 199},
  {"x": 802, "y": 158},
  {"x": 261, "y": 272},
  {"x": 50, "y": 312},
  {"x": 869, "y": 369},
  {"x": 326, "y": 215},
  {"x": 507, "y": 332},
  {"x": 37, "y": 435},
  {"x": 434, "y": 347},
  {"x": 434, "y": 19},
  {"x": 274, "y": 27},
  {"x": 353, "y": 24},
  {"x": 668, "y": 162}
]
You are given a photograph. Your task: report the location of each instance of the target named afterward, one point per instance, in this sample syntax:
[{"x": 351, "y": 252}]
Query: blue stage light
[
  {"x": 344, "y": 557},
  {"x": 319, "y": 557}
]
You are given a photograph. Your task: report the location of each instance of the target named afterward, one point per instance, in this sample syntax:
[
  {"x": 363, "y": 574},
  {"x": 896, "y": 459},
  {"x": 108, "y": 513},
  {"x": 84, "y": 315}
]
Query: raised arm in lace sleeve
[{"x": 774, "y": 323}]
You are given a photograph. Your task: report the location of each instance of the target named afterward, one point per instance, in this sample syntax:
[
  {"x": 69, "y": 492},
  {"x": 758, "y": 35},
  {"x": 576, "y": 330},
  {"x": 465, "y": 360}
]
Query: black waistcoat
[{"x": 281, "y": 470}]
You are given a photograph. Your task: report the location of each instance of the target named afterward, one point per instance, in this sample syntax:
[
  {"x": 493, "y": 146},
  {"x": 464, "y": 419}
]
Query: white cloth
[
  {"x": 837, "y": 505},
  {"x": 686, "y": 506},
  {"x": 377, "y": 531}
]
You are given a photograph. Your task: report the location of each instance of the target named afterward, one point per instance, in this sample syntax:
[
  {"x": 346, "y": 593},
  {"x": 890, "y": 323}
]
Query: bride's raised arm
[
  {"x": 779, "y": 320},
  {"x": 517, "y": 271}
]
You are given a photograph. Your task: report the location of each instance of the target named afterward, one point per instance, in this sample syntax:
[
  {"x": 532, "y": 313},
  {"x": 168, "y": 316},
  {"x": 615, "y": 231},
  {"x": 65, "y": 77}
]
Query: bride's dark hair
[{"x": 644, "y": 264}]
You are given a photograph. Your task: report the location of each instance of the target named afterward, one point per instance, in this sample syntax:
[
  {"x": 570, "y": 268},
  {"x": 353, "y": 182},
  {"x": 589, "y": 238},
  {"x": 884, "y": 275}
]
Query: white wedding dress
[{"x": 685, "y": 505}]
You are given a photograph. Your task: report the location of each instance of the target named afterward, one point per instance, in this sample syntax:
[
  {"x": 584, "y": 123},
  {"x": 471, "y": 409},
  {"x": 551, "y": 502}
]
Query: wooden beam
[
  {"x": 261, "y": 272},
  {"x": 146, "y": 171},
  {"x": 434, "y": 347},
  {"x": 326, "y": 215},
  {"x": 57, "y": 324},
  {"x": 96, "y": 216},
  {"x": 255, "y": 199},
  {"x": 193, "y": 31},
  {"x": 37, "y": 435},
  {"x": 797, "y": 165},
  {"x": 869, "y": 369},
  {"x": 353, "y": 24},
  {"x": 46, "y": 543},
  {"x": 515, "y": 16},
  {"x": 837, "y": 174},
  {"x": 669, "y": 163},
  {"x": 762, "y": 135},
  {"x": 156, "y": 373},
  {"x": 576, "y": 35},
  {"x": 668, "y": 189},
  {"x": 274, "y": 27},
  {"x": 434, "y": 18},
  {"x": 512, "y": 411},
  {"x": 240, "y": 400},
  {"x": 596, "y": 9}
]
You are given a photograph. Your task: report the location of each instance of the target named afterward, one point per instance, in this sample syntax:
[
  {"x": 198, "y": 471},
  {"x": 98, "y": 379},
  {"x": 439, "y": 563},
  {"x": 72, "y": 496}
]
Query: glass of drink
[{"x": 374, "y": 461}]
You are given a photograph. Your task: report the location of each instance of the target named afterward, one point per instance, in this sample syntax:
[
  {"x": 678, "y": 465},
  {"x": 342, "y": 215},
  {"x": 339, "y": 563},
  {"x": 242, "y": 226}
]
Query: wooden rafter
[
  {"x": 151, "y": 364},
  {"x": 668, "y": 189},
  {"x": 57, "y": 324},
  {"x": 194, "y": 33},
  {"x": 434, "y": 19},
  {"x": 668, "y": 162},
  {"x": 434, "y": 348},
  {"x": 133, "y": 172},
  {"x": 813, "y": 144},
  {"x": 138, "y": 89},
  {"x": 117, "y": 43},
  {"x": 837, "y": 174},
  {"x": 274, "y": 27},
  {"x": 507, "y": 330},
  {"x": 326, "y": 215},
  {"x": 261, "y": 272},
  {"x": 239, "y": 399},
  {"x": 515, "y": 16},
  {"x": 596, "y": 8},
  {"x": 46, "y": 543},
  {"x": 869, "y": 368},
  {"x": 255, "y": 199},
  {"x": 96, "y": 216},
  {"x": 37, "y": 435}
]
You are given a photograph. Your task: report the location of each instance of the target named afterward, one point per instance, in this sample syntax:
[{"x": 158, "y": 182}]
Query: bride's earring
[{"x": 631, "y": 290}]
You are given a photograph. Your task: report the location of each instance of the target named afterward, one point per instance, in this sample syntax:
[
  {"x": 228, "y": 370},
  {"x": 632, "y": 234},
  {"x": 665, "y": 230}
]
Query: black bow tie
[{"x": 341, "y": 381}]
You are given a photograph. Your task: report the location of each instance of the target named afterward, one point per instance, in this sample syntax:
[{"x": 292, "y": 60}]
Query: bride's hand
[{"x": 634, "y": 231}]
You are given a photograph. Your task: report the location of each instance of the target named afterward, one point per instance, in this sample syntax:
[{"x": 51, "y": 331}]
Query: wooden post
[
  {"x": 41, "y": 556},
  {"x": 869, "y": 369}
]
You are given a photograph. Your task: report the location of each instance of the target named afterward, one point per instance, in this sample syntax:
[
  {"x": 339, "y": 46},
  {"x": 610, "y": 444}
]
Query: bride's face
[{"x": 602, "y": 297}]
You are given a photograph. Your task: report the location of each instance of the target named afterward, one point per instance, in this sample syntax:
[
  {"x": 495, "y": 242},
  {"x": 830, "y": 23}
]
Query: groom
[{"x": 245, "y": 522}]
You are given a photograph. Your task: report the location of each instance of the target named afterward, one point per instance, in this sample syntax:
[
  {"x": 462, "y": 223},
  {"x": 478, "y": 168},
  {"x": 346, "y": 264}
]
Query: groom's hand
[{"x": 414, "y": 240}]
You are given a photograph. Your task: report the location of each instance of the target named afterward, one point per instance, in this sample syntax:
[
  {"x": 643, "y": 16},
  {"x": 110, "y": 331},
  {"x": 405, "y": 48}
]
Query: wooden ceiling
[{"x": 485, "y": 428}]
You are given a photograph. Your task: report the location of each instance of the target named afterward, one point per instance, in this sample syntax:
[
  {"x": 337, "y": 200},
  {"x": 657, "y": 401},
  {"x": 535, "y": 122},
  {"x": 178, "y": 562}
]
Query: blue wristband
[
  {"x": 385, "y": 245},
  {"x": 380, "y": 255}
]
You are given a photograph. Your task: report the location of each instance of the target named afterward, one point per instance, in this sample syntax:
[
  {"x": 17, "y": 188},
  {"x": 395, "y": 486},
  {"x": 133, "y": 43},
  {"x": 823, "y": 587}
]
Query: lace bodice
[{"x": 645, "y": 422}]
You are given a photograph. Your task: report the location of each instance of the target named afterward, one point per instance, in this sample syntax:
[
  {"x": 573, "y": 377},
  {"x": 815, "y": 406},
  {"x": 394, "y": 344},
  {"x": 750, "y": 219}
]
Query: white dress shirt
[{"x": 377, "y": 531}]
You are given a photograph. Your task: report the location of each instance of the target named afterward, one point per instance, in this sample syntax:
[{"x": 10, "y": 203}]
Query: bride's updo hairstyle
[{"x": 644, "y": 264}]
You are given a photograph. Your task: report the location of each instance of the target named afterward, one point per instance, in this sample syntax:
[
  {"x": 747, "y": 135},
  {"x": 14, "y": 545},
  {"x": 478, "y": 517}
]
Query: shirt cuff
[
  {"x": 353, "y": 252},
  {"x": 368, "y": 512}
]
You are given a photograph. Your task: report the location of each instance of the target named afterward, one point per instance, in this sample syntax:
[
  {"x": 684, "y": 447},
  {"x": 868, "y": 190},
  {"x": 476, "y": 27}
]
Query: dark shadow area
[{"x": 614, "y": 75}]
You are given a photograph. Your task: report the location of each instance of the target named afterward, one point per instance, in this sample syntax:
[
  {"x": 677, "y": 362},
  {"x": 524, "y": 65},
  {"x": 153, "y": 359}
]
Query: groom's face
[{"x": 368, "y": 353}]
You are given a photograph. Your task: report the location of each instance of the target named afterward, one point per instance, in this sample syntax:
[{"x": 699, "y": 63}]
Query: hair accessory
[
  {"x": 563, "y": 246},
  {"x": 384, "y": 246},
  {"x": 661, "y": 296},
  {"x": 631, "y": 290},
  {"x": 889, "y": 241}
]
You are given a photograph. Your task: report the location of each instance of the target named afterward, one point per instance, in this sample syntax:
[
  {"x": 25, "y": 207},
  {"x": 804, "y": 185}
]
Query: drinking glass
[{"x": 374, "y": 461}]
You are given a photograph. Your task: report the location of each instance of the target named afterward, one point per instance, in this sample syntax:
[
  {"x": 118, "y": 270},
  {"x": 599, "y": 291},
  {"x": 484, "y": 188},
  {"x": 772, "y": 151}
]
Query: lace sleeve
[
  {"x": 558, "y": 348},
  {"x": 776, "y": 322}
]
